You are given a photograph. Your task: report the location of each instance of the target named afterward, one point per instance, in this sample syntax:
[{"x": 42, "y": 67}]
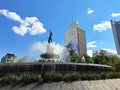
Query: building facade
[
  {"x": 116, "y": 33},
  {"x": 75, "y": 38},
  {"x": 9, "y": 58},
  {"x": 105, "y": 53}
]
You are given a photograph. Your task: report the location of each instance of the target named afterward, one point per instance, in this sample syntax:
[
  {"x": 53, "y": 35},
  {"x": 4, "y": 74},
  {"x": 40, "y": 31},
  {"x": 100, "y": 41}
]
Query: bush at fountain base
[{"x": 27, "y": 78}]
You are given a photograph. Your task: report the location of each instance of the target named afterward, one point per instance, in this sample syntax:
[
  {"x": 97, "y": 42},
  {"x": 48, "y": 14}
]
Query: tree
[
  {"x": 88, "y": 59},
  {"x": 74, "y": 57},
  {"x": 115, "y": 61},
  {"x": 97, "y": 59},
  {"x": 108, "y": 60}
]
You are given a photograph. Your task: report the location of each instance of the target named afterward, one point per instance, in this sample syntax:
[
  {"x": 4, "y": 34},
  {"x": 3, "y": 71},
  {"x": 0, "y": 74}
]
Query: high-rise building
[
  {"x": 116, "y": 33},
  {"x": 75, "y": 38}
]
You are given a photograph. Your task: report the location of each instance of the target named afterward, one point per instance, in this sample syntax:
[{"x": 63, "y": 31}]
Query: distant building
[
  {"x": 116, "y": 33},
  {"x": 9, "y": 58},
  {"x": 104, "y": 52},
  {"x": 75, "y": 39}
]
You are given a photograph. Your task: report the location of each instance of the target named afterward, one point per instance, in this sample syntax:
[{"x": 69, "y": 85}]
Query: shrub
[
  {"x": 30, "y": 78},
  {"x": 112, "y": 75},
  {"x": 103, "y": 75},
  {"x": 52, "y": 77},
  {"x": 23, "y": 78},
  {"x": 71, "y": 77},
  {"x": 56, "y": 77},
  {"x": 92, "y": 77},
  {"x": 10, "y": 79},
  {"x": 83, "y": 76}
]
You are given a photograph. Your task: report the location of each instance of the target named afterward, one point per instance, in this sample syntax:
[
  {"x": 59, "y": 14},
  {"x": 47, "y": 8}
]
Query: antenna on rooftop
[{"x": 72, "y": 17}]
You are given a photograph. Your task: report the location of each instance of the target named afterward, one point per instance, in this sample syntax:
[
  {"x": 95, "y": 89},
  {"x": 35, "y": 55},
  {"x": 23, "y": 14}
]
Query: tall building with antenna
[
  {"x": 75, "y": 38},
  {"x": 116, "y": 33}
]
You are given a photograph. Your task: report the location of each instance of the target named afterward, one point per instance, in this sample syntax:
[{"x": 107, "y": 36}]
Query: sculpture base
[{"x": 50, "y": 55}]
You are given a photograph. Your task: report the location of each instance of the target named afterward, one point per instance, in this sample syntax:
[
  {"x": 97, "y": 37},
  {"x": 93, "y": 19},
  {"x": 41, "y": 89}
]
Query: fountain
[
  {"x": 50, "y": 61},
  {"x": 83, "y": 59},
  {"x": 50, "y": 55}
]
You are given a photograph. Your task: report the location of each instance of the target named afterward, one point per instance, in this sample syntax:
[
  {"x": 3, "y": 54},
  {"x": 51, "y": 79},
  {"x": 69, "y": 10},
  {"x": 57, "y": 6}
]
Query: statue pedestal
[
  {"x": 50, "y": 48},
  {"x": 50, "y": 55}
]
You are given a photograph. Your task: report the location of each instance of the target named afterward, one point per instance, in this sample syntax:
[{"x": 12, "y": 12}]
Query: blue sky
[{"x": 23, "y": 23}]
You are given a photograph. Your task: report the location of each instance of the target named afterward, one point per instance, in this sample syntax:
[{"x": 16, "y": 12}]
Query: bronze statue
[{"x": 50, "y": 37}]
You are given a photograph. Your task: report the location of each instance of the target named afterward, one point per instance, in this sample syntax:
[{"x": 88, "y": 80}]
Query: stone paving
[{"x": 109, "y": 84}]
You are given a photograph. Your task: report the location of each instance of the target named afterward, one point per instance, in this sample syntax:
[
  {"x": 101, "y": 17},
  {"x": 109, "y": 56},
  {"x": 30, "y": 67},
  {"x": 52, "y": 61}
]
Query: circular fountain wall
[{"x": 42, "y": 68}]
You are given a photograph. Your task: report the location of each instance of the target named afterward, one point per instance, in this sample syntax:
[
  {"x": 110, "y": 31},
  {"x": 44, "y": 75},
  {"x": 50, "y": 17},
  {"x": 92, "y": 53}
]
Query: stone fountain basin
[{"x": 48, "y": 67}]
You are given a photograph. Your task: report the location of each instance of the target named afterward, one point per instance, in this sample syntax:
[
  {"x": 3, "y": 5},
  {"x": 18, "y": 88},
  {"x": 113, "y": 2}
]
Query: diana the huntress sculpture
[{"x": 50, "y": 37}]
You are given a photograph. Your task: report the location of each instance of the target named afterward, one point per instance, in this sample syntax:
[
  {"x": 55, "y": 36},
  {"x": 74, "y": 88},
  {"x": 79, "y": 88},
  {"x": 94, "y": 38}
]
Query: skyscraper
[
  {"x": 116, "y": 33},
  {"x": 75, "y": 38}
]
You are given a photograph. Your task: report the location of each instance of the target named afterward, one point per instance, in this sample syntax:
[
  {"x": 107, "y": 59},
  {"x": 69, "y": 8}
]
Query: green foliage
[
  {"x": 88, "y": 76},
  {"x": 103, "y": 75},
  {"x": 115, "y": 61},
  {"x": 88, "y": 59},
  {"x": 52, "y": 77},
  {"x": 30, "y": 78},
  {"x": 9, "y": 79},
  {"x": 98, "y": 59},
  {"x": 74, "y": 57},
  {"x": 71, "y": 77},
  {"x": 108, "y": 60},
  {"x": 92, "y": 76},
  {"x": 83, "y": 76},
  {"x": 57, "y": 77},
  {"x": 23, "y": 78},
  {"x": 112, "y": 75}
]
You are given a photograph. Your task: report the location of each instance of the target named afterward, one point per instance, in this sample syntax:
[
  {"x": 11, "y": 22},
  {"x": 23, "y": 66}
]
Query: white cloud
[
  {"x": 103, "y": 26},
  {"x": 90, "y": 11},
  {"x": 11, "y": 15},
  {"x": 90, "y": 53},
  {"x": 115, "y": 14},
  {"x": 29, "y": 25},
  {"x": 110, "y": 50},
  {"x": 91, "y": 44},
  {"x": 22, "y": 30}
]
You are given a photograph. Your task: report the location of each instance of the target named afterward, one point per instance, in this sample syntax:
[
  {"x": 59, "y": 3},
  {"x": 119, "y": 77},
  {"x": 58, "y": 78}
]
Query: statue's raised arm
[{"x": 50, "y": 37}]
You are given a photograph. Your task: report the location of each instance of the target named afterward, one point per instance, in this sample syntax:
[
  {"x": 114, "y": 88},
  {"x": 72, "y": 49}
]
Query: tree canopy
[{"x": 99, "y": 59}]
